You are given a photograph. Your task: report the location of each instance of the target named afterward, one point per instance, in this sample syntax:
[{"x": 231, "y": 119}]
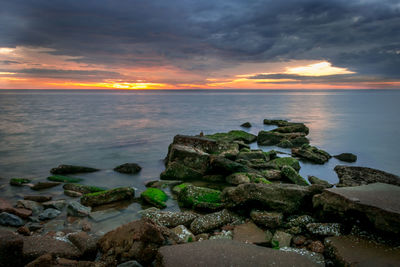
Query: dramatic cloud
[{"x": 183, "y": 42}]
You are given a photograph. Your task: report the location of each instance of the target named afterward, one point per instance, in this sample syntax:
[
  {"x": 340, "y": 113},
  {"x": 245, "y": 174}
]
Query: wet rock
[
  {"x": 19, "y": 181},
  {"x": 270, "y": 138},
  {"x": 312, "y": 154},
  {"x": 38, "y": 198},
  {"x": 137, "y": 240},
  {"x": 291, "y": 174},
  {"x": 281, "y": 239},
  {"x": 86, "y": 244},
  {"x": 10, "y": 219},
  {"x": 128, "y": 168},
  {"x": 267, "y": 219},
  {"x": 316, "y": 258},
  {"x": 211, "y": 221},
  {"x": 64, "y": 179},
  {"x": 222, "y": 235},
  {"x": 353, "y": 251},
  {"x": 325, "y": 229},
  {"x": 279, "y": 123},
  {"x": 55, "y": 204},
  {"x": 235, "y": 135},
  {"x": 77, "y": 210},
  {"x": 11, "y": 246},
  {"x": 316, "y": 246},
  {"x": 250, "y": 233},
  {"x": 354, "y": 176},
  {"x": 35, "y": 207},
  {"x": 168, "y": 218},
  {"x": 200, "y": 198},
  {"x": 376, "y": 204},
  {"x": 72, "y": 193},
  {"x": 49, "y": 214},
  {"x": 108, "y": 196},
  {"x": 237, "y": 178},
  {"x": 184, "y": 235},
  {"x": 178, "y": 188},
  {"x": 214, "y": 178},
  {"x": 227, "y": 253},
  {"x": 6, "y": 206},
  {"x": 224, "y": 166},
  {"x": 155, "y": 196},
  {"x": 71, "y": 169},
  {"x": 318, "y": 181},
  {"x": 285, "y": 198},
  {"x": 278, "y": 163},
  {"x": 292, "y": 128},
  {"x": 84, "y": 189},
  {"x": 348, "y": 157},
  {"x": 44, "y": 185},
  {"x": 246, "y": 125},
  {"x": 34, "y": 226},
  {"x": 252, "y": 154},
  {"x": 178, "y": 171}
]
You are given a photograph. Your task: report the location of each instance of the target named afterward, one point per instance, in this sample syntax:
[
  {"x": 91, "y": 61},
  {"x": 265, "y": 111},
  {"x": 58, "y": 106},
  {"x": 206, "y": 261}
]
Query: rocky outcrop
[
  {"x": 108, "y": 196},
  {"x": 354, "y": 176},
  {"x": 178, "y": 171},
  {"x": 292, "y": 128},
  {"x": 348, "y": 157},
  {"x": 374, "y": 204},
  {"x": 71, "y": 169},
  {"x": 128, "y": 168},
  {"x": 312, "y": 154}
]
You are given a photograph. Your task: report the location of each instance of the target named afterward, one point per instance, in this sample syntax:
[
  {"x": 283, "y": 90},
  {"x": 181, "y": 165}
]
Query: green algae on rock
[
  {"x": 278, "y": 163},
  {"x": 293, "y": 176},
  {"x": 64, "y": 179},
  {"x": 311, "y": 153},
  {"x": 84, "y": 189},
  {"x": 19, "y": 181},
  {"x": 108, "y": 196},
  {"x": 178, "y": 171},
  {"x": 235, "y": 135},
  {"x": 155, "y": 196},
  {"x": 200, "y": 198}
]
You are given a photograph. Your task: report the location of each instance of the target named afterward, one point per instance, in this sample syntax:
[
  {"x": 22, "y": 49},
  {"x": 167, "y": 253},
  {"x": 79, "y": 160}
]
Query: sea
[{"x": 41, "y": 129}]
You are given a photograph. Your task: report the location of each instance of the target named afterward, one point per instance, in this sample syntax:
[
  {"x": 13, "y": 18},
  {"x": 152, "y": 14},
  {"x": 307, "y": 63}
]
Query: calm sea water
[{"x": 40, "y": 129}]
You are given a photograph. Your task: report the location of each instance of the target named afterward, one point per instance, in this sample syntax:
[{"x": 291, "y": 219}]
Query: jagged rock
[
  {"x": 354, "y": 176},
  {"x": 291, "y": 174},
  {"x": 11, "y": 246},
  {"x": 278, "y": 163},
  {"x": 318, "y": 181},
  {"x": 38, "y": 198},
  {"x": 235, "y": 135},
  {"x": 10, "y": 219},
  {"x": 250, "y": 233},
  {"x": 64, "y": 179},
  {"x": 281, "y": 239},
  {"x": 246, "y": 125},
  {"x": 155, "y": 197},
  {"x": 108, "y": 196},
  {"x": 168, "y": 218},
  {"x": 70, "y": 169},
  {"x": 77, "y": 210},
  {"x": 200, "y": 198},
  {"x": 376, "y": 204},
  {"x": 184, "y": 235},
  {"x": 237, "y": 178},
  {"x": 49, "y": 214},
  {"x": 348, "y": 157},
  {"x": 312, "y": 154},
  {"x": 267, "y": 219},
  {"x": 128, "y": 168},
  {"x": 325, "y": 229},
  {"x": 86, "y": 244},
  {"x": 44, "y": 185},
  {"x": 84, "y": 189},
  {"x": 55, "y": 204},
  {"x": 211, "y": 221}
]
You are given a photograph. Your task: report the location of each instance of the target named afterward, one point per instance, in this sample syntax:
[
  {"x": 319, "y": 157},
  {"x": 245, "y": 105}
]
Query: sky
[{"x": 208, "y": 44}]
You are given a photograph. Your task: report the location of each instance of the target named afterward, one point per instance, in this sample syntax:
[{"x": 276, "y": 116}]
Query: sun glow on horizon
[{"x": 323, "y": 68}]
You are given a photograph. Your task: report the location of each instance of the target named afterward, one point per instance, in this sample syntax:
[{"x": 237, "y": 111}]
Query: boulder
[
  {"x": 292, "y": 128},
  {"x": 184, "y": 235},
  {"x": 205, "y": 144},
  {"x": 227, "y": 253},
  {"x": 235, "y": 135},
  {"x": 189, "y": 156},
  {"x": 10, "y": 219},
  {"x": 311, "y": 153},
  {"x": 38, "y": 198},
  {"x": 354, "y": 251},
  {"x": 179, "y": 171},
  {"x": 19, "y": 181},
  {"x": 224, "y": 166},
  {"x": 347, "y": 157},
  {"x": 376, "y": 204},
  {"x": 168, "y": 218},
  {"x": 270, "y": 138},
  {"x": 318, "y": 181},
  {"x": 11, "y": 246},
  {"x": 267, "y": 219},
  {"x": 71, "y": 169},
  {"x": 246, "y": 125},
  {"x": 278, "y": 163},
  {"x": 128, "y": 168},
  {"x": 281, "y": 239},
  {"x": 285, "y": 198},
  {"x": 250, "y": 233},
  {"x": 211, "y": 221},
  {"x": 290, "y": 174},
  {"x": 108, "y": 196},
  {"x": 6, "y": 206},
  {"x": 354, "y": 176},
  {"x": 77, "y": 210},
  {"x": 64, "y": 179},
  {"x": 252, "y": 154},
  {"x": 35, "y": 207},
  {"x": 272, "y": 175},
  {"x": 49, "y": 214},
  {"x": 200, "y": 198},
  {"x": 237, "y": 178},
  {"x": 86, "y": 244},
  {"x": 325, "y": 229},
  {"x": 84, "y": 189},
  {"x": 55, "y": 204},
  {"x": 44, "y": 185},
  {"x": 155, "y": 196}
]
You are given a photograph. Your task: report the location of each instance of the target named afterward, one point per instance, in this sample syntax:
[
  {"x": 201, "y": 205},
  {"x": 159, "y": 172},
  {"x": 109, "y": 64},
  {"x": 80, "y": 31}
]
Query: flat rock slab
[
  {"x": 353, "y": 251},
  {"x": 250, "y": 233},
  {"x": 353, "y": 176},
  {"x": 227, "y": 253},
  {"x": 379, "y": 202}
]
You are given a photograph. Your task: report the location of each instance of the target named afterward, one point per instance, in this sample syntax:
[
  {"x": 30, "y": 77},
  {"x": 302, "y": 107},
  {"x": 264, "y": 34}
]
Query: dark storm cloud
[{"x": 362, "y": 35}]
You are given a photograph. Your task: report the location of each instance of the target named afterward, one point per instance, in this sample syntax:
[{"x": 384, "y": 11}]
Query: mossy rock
[
  {"x": 178, "y": 171},
  {"x": 347, "y": 157},
  {"x": 285, "y": 144},
  {"x": 155, "y": 196},
  {"x": 292, "y": 128},
  {"x": 84, "y": 189},
  {"x": 200, "y": 198},
  {"x": 278, "y": 163},
  {"x": 270, "y": 155},
  {"x": 108, "y": 196},
  {"x": 279, "y": 123},
  {"x": 245, "y": 149},
  {"x": 235, "y": 135},
  {"x": 64, "y": 179},
  {"x": 178, "y": 188},
  {"x": 293, "y": 176},
  {"x": 311, "y": 153},
  {"x": 19, "y": 181}
]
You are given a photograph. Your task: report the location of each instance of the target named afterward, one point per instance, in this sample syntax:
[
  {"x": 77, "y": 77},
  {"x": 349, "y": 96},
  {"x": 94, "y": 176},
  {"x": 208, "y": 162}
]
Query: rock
[
  {"x": 246, "y": 125},
  {"x": 55, "y": 204},
  {"x": 291, "y": 174},
  {"x": 318, "y": 181},
  {"x": 86, "y": 244},
  {"x": 237, "y": 178},
  {"x": 45, "y": 260},
  {"x": 316, "y": 246},
  {"x": 38, "y": 198},
  {"x": 64, "y": 179},
  {"x": 211, "y": 221},
  {"x": 285, "y": 144},
  {"x": 376, "y": 204},
  {"x": 11, "y": 246},
  {"x": 250, "y": 233},
  {"x": 224, "y": 166},
  {"x": 316, "y": 258},
  {"x": 354, "y": 176},
  {"x": 10, "y": 219},
  {"x": 214, "y": 178},
  {"x": 35, "y": 207},
  {"x": 234, "y": 135},
  {"x": 278, "y": 163},
  {"x": 300, "y": 221},
  {"x": 188, "y": 156},
  {"x": 312, "y": 154},
  {"x": 279, "y": 123},
  {"x": 130, "y": 264},
  {"x": 72, "y": 193},
  {"x": 272, "y": 175},
  {"x": 70, "y": 169},
  {"x": 178, "y": 188},
  {"x": 252, "y": 154},
  {"x": 6, "y": 206},
  {"x": 86, "y": 226},
  {"x": 178, "y": 171},
  {"x": 292, "y": 128},
  {"x": 227, "y": 253},
  {"x": 155, "y": 196},
  {"x": 162, "y": 184},
  {"x": 353, "y": 251},
  {"x": 299, "y": 240},
  {"x": 137, "y": 240},
  {"x": 49, "y": 214},
  {"x": 184, "y": 235},
  {"x": 325, "y": 229},
  {"x": 270, "y": 138},
  {"x": 34, "y": 226},
  {"x": 202, "y": 237},
  {"x": 19, "y": 181},
  {"x": 285, "y": 198},
  {"x": 84, "y": 189},
  {"x": 267, "y": 219},
  {"x": 222, "y": 235},
  {"x": 24, "y": 230},
  {"x": 44, "y": 185},
  {"x": 108, "y": 196},
  {"x": 281, "y": 239},
  {"x": 102, "y": 215},
  {"x": 36, "y": 246},
  {"x": 168, "y": 218},
  {"x": 202, "y": 143},
  {"x": 348, "y": 157},
  {"x": 77, "y": 210},
  {"x": 128, "y": 168},
  {"x": 200, "y": 198}
]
